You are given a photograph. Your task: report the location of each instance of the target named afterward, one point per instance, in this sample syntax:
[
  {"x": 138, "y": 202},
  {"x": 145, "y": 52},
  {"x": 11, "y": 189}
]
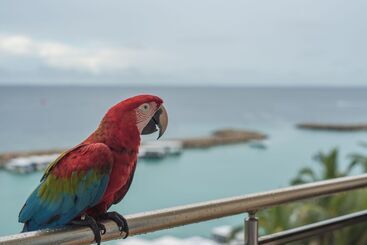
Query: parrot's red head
[{"x": 143, "y": 112}]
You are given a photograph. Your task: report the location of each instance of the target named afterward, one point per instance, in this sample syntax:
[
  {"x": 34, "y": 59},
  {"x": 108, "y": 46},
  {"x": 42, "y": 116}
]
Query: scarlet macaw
[{"x": 83, "y": 182}]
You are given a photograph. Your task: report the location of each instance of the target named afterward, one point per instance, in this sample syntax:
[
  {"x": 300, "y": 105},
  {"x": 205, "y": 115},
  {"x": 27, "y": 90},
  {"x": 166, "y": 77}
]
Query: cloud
[{"x": 93, "y": 59}]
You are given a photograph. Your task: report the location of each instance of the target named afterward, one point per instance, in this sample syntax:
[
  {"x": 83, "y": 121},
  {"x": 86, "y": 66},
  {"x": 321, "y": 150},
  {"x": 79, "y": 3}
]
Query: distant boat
[
  {"x": 24, "y": 165},
  {"x": 228, "y": 235},
  {"x": 222, "y": 234},
  {"x": 160, "y": 149},
  {"x": 258, "y": 145}
]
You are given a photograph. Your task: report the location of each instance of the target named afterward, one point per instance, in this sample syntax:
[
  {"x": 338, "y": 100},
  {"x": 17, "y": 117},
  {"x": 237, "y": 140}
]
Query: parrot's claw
[
  {"x": 120, "y": 221},
  {"x": 102, "y": 228},
  {"x": 97, "y": 228}
]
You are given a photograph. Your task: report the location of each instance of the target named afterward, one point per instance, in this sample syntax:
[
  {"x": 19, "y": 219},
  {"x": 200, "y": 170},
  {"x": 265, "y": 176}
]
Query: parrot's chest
[{"x": 122, "y": 170}]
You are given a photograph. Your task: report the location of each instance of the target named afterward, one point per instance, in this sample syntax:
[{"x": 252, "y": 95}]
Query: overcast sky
[{"x": 187, "y": 42}]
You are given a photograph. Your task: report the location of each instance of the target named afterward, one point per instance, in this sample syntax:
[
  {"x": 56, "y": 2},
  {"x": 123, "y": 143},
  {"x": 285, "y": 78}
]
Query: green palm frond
[
  {"x": 357, "y": 159},
  {"x": 305, "y": 175}
]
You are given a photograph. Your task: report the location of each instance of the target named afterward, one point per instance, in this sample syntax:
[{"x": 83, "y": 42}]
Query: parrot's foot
[
  {"x": 97, "y": 228},
  {"x": 119, "y": 219}
]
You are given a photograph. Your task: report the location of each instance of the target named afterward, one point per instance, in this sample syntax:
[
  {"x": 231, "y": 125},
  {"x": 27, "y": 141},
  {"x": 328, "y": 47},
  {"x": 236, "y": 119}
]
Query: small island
[
  {"x": 222, "y": 137},
  {"x": 333, "y": 127}
]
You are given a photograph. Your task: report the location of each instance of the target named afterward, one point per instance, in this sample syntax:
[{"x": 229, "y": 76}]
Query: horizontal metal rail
[
  {"x": 314, "y": 229},
  {"x": 183, "y": 215}
]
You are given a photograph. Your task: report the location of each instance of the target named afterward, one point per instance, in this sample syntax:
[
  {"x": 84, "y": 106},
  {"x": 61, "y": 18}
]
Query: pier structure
[{"x": 159, "y": 149}]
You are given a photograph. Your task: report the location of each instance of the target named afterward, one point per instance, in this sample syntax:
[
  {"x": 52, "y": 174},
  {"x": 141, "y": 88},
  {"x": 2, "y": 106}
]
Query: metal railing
[
  {"x": 193, "y": 213},
  {"x": 314, "y": 229}
]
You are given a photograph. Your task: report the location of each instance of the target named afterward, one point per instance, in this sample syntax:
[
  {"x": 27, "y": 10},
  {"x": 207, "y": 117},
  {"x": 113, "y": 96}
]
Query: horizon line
[{"x": 185, "y": 86}]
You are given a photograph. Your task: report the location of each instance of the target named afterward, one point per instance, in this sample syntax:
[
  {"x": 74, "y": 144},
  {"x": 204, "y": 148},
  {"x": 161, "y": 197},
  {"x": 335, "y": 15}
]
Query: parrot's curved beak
[{"x": 159, "y": 119}]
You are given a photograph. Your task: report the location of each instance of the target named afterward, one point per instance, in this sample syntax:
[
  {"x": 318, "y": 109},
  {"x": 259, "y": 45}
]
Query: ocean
[{"x": 35, "y": 118}]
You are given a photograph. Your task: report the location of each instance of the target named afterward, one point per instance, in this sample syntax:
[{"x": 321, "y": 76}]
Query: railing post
[{"x": 251, "y": 229}]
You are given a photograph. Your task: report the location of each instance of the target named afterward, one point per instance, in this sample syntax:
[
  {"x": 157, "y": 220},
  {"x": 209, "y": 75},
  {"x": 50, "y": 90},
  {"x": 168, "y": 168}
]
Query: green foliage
[
  {"x": 329, "y": 169},
  {"x": 297, "y": 214},
  {"x": 359, "y": 159}
]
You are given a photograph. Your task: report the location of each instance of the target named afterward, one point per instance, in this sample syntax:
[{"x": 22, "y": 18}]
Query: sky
[{"x": 187, "y": 42}]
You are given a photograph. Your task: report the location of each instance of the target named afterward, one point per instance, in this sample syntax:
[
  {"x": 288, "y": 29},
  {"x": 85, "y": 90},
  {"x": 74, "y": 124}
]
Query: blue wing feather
[{"x": 48, "y": 208}]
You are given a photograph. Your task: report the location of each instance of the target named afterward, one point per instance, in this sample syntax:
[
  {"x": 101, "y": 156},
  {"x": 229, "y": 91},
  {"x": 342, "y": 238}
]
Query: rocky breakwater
[
  {"x": 333, "y": 127},
  {"x": 222, "y": 137}
]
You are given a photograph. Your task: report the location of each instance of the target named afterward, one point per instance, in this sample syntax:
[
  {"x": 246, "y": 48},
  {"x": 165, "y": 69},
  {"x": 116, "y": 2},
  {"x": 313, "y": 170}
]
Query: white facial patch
[{"x": 144, "y": 113}]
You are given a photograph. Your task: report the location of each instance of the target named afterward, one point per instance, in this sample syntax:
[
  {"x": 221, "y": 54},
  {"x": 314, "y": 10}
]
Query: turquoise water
[{"x": 67, "y": 116}]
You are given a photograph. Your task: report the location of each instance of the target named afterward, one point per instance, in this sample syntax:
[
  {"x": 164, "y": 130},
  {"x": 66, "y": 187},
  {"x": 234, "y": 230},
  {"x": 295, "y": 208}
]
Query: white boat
[
  {"x": 227, "y": 235},
  {"x": 30, "y": 164},
  {"x": 222, "y": 234},
  {"x": 151, "y": 153},
  {"x": 171, "y": 147},
  {"x": 160, "y": 149}
]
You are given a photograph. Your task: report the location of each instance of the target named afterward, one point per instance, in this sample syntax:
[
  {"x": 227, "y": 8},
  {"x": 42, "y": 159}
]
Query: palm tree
[
  {"x": 329, "y": 169},
  {"x": 359, "y": 159},
  {"x": 293, "y": 215}
]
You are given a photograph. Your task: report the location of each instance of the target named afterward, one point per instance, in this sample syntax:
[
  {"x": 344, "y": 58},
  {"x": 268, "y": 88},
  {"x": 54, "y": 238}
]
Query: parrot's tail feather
[{"x": 25, "y": 228}]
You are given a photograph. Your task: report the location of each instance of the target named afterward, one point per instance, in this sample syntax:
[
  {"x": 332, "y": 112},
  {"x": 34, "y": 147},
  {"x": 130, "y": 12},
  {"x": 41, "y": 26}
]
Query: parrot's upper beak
[{"x": 159, "y": 119}]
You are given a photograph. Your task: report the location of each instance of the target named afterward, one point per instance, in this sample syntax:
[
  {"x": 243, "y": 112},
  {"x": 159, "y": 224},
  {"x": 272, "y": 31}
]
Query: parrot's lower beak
[{"x": 159, "y": 119}]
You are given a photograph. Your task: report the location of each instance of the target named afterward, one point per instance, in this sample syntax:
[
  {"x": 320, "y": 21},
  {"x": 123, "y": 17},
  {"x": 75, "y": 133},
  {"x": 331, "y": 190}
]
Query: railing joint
[{"x": 251, "y": 229}]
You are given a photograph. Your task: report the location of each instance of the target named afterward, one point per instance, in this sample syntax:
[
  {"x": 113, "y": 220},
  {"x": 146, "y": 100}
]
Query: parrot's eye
[{"x": 144, "y": 107}]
